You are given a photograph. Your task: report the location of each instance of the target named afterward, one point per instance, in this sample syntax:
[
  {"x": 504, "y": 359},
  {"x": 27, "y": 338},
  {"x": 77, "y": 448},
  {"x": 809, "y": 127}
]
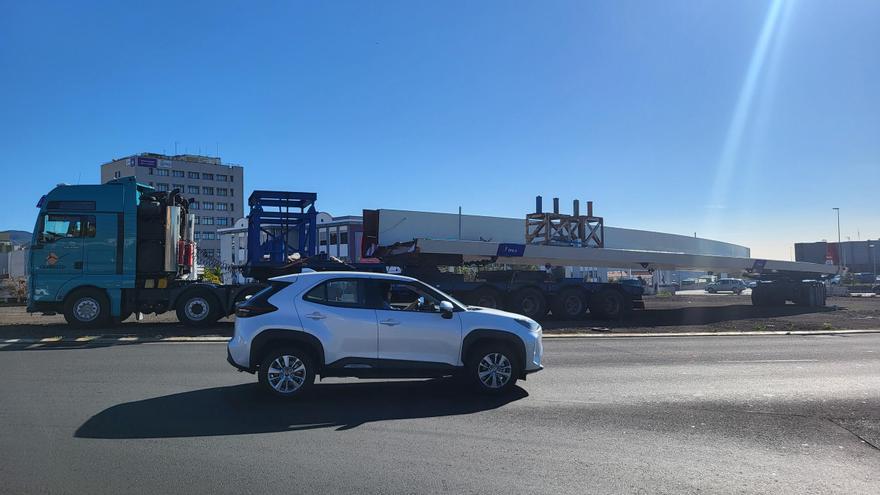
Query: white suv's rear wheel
[
  {"x": 493, "y": 368},
  {"x": 287, "y": 372}
]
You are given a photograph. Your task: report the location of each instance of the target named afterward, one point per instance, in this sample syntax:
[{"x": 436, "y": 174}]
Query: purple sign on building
[{"x": 147, "y": 162}]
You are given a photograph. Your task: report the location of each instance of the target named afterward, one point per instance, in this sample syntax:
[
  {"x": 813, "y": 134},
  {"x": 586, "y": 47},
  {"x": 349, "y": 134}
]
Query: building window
[
  {"x": 322, "y": 237},
  {"x": 222, "y": 206},
  {"x": 197, "y": 236},
  {"x": 208, "y": 176},
  {"x": 117, "y": 174},
  {"x": 222, "y": 221},
  {"x": 231, "y": 206},
  {"x": 162, "y": 187},
  {"x": 193, "y": 175},
  {"x": 194, "y": 205},
  {"x": 207, "y": 205},
  {"x": 198, "y": 220},
  {"x": 150, "y": 171},
  {"x": 151, "y": 183},
  {"x": 208, "y": 221},
  {"x": 222, "y": 191},
  {"x": 162, "y": 172},
  {"x": 232, "y": 192},
  {"x": 221, "y": 178},
  {"x": 231, "y": 178},
  {"x": 177, "y": 173},
  {"x": 179, "y": 187},
  {"x": 208, "y": 190},
  {"x": 343, "y": 238}
]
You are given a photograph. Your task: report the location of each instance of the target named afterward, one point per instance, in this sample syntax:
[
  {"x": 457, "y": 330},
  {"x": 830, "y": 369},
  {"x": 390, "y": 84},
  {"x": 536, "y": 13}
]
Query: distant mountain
[{"x": 18, "y": 237}]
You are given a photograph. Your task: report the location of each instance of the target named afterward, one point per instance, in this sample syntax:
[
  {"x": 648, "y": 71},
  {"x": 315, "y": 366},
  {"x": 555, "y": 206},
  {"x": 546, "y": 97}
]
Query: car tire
[
  {"x": 287, "y": 372},
  {"x": 529, "y": 302},
  {"x": 198, "y": 308},
  {"x": 486, "y": 297},
  {"x": 87, "y": 308},
  {"x": 569, "y": 304},
  {"x": 493, "y": 368},
  {"x": 609, "y": 304}
]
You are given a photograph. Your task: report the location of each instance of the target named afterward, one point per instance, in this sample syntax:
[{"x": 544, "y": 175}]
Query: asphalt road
[{"x": 638, "y": 415}]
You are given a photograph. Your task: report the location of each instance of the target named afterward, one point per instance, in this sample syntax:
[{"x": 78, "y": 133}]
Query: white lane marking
[
  {"x": 10, "y": 341},
  {"x": 772, "y": 361},
  {"x": 51, "y": 339}
]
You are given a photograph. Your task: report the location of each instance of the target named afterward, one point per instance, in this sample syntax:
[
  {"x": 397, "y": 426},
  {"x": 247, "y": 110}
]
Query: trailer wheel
[
  {"x": 609, "y": 304},
  {"x": 198, "y": 308},
  {"x": 486, "y": 297},
  {"x": 569, "y": 304},
  {"x": 87, "y": 308},
  {"x": 529, "y": 302}
]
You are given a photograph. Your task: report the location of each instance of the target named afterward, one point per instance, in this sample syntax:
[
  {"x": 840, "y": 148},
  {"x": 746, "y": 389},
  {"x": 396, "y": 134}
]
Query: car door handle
[
  {"x": 315, "y": 316},
  {"x": 390, "y": 322}
]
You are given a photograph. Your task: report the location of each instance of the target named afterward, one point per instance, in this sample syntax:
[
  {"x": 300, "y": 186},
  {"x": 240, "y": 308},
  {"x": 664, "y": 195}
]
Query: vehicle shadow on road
[{"x": 245, "y": 409}]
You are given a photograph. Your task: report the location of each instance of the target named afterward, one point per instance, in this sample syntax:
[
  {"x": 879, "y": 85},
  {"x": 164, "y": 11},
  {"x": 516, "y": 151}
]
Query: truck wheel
[
  {"x": 87, "y": 308},
  {"x": 288, "y": 372},
  {"x": 198, "y": 308},
  {"x": 609, "y": 304},
  {"x": 493, "y": 368},
  {"x": 486, "y": 297},
  {"x": 569, "y": 304},
  {"x": 529, "y": 302}
]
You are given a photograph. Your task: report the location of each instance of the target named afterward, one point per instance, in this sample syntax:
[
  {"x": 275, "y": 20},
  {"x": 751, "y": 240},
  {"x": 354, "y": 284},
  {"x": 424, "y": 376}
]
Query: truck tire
[
  {"x": 198, "y": 308},
  {"x": 492, "y": 368},
  {"x": 87, "y": 308},
  {"x": 609, "y": 304},
  {"x": 530, "y": 302},
  {"x": 287, "y": 372},
  {"x": 486, "y": 297},
  {"x": 569, "y": 304}
]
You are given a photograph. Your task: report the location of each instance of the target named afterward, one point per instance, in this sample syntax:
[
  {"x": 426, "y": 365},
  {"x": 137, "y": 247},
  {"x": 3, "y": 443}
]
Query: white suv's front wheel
[
  {"x": 493, "y": 368},
  {"x": 287, "y": 372}
]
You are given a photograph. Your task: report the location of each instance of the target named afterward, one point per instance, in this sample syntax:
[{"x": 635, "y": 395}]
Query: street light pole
[
  {"x": 840, "y": 255},
  {"x": 874, "y": 259}
]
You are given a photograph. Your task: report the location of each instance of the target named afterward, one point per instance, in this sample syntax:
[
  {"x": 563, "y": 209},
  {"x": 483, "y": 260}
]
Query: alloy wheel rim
[
  {"x": 494, "y": 370},
  {"x": 86, "y": 309},
  {"x": 286, "y": 374}
]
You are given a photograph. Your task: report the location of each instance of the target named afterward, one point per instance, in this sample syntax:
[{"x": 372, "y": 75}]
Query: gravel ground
[{"x": 691, "y": 313}]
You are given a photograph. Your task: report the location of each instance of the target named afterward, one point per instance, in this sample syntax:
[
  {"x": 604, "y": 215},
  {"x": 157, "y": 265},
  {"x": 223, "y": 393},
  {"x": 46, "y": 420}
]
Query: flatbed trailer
[{"x": 778, "y": 281}]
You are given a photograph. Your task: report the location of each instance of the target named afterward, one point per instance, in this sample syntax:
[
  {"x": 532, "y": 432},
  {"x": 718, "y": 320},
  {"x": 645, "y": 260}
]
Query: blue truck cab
[{"x": 102, "y": 252}]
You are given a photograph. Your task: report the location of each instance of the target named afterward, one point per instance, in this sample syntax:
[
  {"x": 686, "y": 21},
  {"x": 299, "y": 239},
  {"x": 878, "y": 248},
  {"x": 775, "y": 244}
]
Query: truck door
[
  {"x": 57, "y": 255},
  {"x": 101, "y": 251}
]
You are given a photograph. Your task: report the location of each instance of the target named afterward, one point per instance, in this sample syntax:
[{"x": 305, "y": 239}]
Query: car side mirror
[{"x": 446, "y": 309}]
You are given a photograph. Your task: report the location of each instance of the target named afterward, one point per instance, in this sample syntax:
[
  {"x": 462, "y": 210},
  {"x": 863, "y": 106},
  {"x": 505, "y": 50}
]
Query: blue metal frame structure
[{"x": 281, "y": 223}]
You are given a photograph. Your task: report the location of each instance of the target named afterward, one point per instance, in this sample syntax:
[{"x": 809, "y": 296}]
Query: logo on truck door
[{"x": 51, "y": 259}]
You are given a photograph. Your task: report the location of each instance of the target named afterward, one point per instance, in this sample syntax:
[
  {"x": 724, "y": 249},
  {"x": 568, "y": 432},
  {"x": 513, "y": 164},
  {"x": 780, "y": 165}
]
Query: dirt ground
[{"x": 690, "y": 313}]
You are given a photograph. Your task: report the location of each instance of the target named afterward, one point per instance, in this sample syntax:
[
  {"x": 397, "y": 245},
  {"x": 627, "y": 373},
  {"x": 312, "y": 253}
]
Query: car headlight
[{"x": 529, "y": 324}]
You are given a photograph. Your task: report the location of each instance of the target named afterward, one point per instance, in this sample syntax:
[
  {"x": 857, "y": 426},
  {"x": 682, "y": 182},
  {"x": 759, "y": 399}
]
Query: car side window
[
  {"x": 412, "y": 297},
  {"x": 338, "y": 292}
]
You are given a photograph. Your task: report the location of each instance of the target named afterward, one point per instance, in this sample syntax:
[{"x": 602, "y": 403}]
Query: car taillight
[
  {"x": 246, "y": 310},
  {"x": 259, "y": 303}
]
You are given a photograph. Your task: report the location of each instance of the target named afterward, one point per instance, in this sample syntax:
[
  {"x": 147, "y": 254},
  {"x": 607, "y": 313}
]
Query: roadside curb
[{"x": 130, "y": 339}]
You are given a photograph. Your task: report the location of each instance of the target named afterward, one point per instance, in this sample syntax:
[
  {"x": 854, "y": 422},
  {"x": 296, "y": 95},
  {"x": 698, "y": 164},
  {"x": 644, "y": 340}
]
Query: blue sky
[{"x": 742, "y": 121}]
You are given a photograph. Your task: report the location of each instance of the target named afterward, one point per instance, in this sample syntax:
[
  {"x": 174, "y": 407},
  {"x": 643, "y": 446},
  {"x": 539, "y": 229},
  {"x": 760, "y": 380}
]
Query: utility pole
[{"x": 840, "y": 254}]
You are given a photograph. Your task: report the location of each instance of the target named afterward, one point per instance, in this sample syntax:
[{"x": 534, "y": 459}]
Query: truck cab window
[{"x": 67, "y": 226}]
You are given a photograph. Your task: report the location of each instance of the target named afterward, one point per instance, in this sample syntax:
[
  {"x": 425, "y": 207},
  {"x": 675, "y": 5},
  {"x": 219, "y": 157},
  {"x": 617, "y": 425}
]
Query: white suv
[{"x": 373, "y": 325}]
